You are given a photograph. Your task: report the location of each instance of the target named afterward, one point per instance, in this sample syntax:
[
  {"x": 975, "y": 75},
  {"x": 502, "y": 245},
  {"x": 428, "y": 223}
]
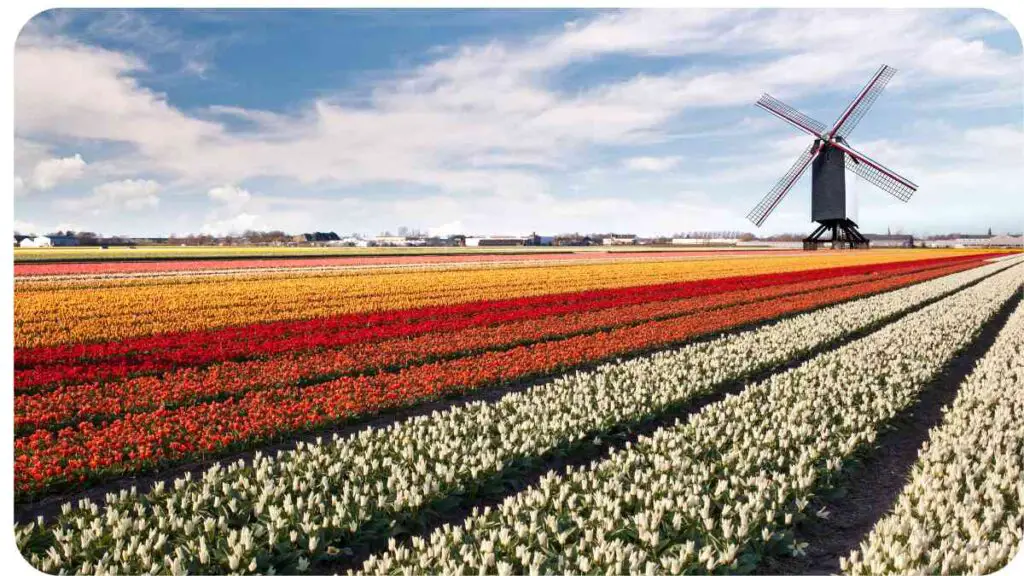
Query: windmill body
[
  {"x": 828, "y": 185},
  {"x": 829, "y": 156}
]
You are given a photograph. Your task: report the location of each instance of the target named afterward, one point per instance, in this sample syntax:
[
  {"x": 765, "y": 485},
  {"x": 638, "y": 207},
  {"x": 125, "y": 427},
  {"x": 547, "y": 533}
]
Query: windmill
[{"x": 828, "y": 155}]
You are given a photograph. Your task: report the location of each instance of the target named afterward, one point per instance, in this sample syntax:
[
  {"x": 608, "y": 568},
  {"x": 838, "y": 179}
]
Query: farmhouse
[{"x": 36, "y": 242}]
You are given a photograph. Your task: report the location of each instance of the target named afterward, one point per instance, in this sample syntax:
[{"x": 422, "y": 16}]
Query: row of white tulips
[
  {"x": 716, "y": 492},
  {"x": 282, "y": 512},
  {"x": 962, "y": 510}
]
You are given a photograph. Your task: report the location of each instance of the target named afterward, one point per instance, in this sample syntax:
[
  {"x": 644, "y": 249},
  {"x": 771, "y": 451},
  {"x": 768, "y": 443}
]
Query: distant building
[
  {"x": 498, "y": 241},
  {"x": 1006, "y": 241},
  {"x": 62, "y": 240},
  {"x": 617, "y": 240},
  {"x": 1001, "y": 241},
  {"x": 391, "y": 241},
  {"x": 350, "y": 241},
  {"x": 573, "y": 240},
  {"x": 36, "y": 242},
  {"x": 890, "y": 240}
]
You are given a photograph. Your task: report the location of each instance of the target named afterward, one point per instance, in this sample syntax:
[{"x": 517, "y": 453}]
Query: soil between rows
[
  {"x": 49, "y": 506},
  {"x": 869, "y": 490}
]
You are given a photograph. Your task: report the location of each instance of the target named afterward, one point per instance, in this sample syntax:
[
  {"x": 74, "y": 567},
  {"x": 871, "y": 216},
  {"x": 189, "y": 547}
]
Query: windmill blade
[
  {"x": 850, "y": 117},
  {"x": 772, "y": 199},
  {"x": 875, "y": 173},
  {"x": 792, "y": 115}
]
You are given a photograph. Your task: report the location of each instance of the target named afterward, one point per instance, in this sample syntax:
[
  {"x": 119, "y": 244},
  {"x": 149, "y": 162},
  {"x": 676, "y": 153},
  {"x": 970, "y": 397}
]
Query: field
[{"x": 579, "y": 412}]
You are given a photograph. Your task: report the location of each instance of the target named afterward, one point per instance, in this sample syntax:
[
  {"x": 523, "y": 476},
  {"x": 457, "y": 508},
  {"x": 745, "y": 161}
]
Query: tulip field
[{"x": 658, "y": 412}]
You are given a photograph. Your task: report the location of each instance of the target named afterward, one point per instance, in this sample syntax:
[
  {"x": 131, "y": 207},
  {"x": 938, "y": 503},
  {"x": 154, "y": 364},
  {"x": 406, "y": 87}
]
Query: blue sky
[{"x": 151, "y": 122}]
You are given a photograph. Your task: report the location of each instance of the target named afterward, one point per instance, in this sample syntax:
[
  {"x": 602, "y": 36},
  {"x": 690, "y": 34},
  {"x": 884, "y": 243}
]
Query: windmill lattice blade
[
  {"x": 772, "y": 199},
  {"x": 860, "y": 105},
  {"x": 879, "y": 178},
  {"x": 873, "y": 171},
  {"x": 792, "y": 115}
]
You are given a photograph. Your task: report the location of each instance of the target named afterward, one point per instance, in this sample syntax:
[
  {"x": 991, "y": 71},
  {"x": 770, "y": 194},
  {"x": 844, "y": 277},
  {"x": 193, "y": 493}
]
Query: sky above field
[{"x": 501, "y": 122}]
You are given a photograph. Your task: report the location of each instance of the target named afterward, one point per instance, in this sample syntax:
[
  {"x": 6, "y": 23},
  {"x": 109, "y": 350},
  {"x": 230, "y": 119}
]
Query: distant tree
[{"x": 747, "y": 237}]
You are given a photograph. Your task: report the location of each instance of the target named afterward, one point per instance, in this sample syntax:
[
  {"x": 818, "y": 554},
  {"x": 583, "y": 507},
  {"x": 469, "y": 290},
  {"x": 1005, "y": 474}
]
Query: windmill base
[{"x": 843, "y": 233}]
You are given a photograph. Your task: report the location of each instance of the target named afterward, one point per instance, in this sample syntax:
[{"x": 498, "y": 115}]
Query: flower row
[
  {"x": 306, "y": 504},
  {"x": 962, "y": 510},
  {"x": 719, "y": 492},
  {"x": 41, "y": 366},
  {"x": 64, "y": 405},
  {"x": 50, "y": 313},
  {"x": 142, "y": 440},
  {"x": 103, "y": 401}
]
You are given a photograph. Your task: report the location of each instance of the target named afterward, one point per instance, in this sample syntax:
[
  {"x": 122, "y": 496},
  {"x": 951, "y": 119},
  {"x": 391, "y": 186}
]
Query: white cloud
[
  {"x": 128, "y": 194},
  {"x": 69, "y": 90},
  {"x": 491, "y": 98},
  {"x": 234, "y": 224},
  {"x": 123, "y": 195},
  {"x": 54, "y": 171},
  {"x": 22, "y": 227},
  {"x": 651, "y": 163},
  {"x": 36, "y": 167},
  {"x": 232, "y": 196}
]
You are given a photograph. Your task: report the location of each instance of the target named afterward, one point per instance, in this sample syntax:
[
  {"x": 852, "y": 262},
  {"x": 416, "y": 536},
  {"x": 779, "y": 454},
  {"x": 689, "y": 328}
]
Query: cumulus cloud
[
  {"x": 54, "y": 171},
  {"x": 651, "y": 163},
  {"x": 35, "y": 167},
  {"x": 128, "y": 194},
  {"x": 232, "y": 196},
  {"x": 124, "y": 195},
  {"x": 234, "y": 224},
  {"x": 22, "y": 227}
]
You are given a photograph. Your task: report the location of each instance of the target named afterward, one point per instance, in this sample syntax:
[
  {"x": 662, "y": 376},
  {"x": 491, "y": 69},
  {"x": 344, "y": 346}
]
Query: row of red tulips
[
  {"x": 153, "y": 354},
  {"x": 45, "y": 459},
  {"x": 103, "y": 401}
]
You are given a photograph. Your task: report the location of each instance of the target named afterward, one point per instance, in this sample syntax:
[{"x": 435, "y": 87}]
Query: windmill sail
[
  {"x": 772, "y": 199},
  {"x": 792, "y": 115},
  {"x": 877, "y": 174},
  {"x": 850, "y": 117},
  {"x": 881, "y": 179}
]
